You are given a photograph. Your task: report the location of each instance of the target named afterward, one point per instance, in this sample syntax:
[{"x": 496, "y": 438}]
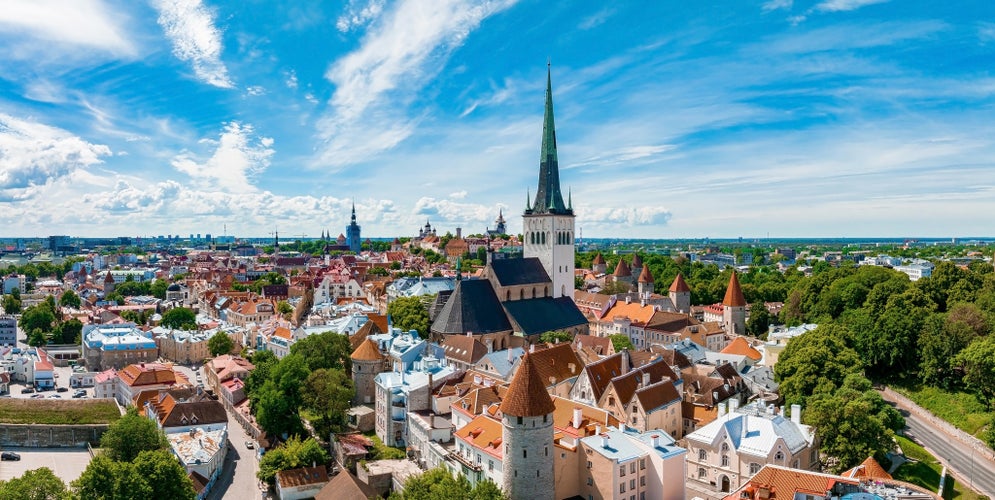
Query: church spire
[
  {"x": 549, "y": 199},
  {"x": 353, "y": 211}
]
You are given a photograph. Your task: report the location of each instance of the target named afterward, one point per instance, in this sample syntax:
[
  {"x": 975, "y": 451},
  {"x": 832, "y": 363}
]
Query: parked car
[
  {"x": 9, "y": 455},
  {"x": 55, "y": 396},
  {"x": 35, "y": 396},
  {"x": 27, "y": 390},
  {"x": 62, "y": 389},
  {"x": 250, "y": 445},
  {"x": 79, "y": 394}
]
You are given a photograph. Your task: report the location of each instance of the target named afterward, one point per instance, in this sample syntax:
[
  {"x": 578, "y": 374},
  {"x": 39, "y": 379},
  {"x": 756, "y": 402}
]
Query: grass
[
  {"x": 960, "y": 409},
  {"x": 57, "y": 411},
  {"x": 382, "y": 451},
  {"x": 925, "y": 471}
]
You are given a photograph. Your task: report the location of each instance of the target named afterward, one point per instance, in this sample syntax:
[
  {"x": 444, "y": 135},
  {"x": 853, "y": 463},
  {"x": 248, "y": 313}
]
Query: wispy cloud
[
  {"x": 777, "y": 4},
  {"x": 237, "y": 158},
  {"x": 80, "y": 23},
  {"x": 986, "y": 31},
  {"x": 844, "y": 5},
  {"x": 596, "y": 19},
  {"x": 189, "y": 25},
  {"x": 403, "y": 49},
  {"x": 359, "y": 13},
  {"x": 33, "y": 154}
]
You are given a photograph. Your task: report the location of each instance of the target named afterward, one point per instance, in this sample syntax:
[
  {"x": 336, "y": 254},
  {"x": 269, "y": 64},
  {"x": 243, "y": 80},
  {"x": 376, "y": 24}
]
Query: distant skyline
[{"x": 675, "y": 120}]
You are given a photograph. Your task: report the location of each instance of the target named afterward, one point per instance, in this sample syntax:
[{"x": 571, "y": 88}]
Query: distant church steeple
[
  {"x": 549, "y": 223},
  {"x": 352, "y": 233}
]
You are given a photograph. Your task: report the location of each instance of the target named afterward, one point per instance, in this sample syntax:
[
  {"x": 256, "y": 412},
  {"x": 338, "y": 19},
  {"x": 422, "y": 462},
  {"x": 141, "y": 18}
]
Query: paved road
[{"x": 238, "y": 478}]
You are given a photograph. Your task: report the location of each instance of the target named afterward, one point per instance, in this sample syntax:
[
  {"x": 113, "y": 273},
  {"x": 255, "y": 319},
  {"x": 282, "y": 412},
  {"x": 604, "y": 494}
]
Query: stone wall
[{"x": 50, "y": 436}]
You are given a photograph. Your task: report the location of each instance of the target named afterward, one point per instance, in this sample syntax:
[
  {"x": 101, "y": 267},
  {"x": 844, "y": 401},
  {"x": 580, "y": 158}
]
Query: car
[
  {"x": 62, "y": 389},
  {"x": 35, "y": 396},
  {"x": 55, "y": 396},
  {"x": 250, "y": 445},
  {"x": 9, "y": 455},
  {"x": 79, "y": 393},
  {"x": 27, "y": 390}
]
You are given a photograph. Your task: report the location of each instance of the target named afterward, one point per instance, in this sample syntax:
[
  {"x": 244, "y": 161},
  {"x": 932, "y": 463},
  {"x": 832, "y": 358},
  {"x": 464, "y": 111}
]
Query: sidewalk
[{"x": 963, "y": 438}]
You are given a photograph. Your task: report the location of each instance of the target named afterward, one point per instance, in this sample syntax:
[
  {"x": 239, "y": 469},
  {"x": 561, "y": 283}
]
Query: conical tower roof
[
  {"x": 598, "y": 259},
  {"x": 637, "y": 261},
  {"x": 679, "y": 285},
  {"x": 734, "y": 294},
  {"x": 622, "y": 269},
  {"x": 108, "y": 278},
  {"x": 367, "y": 351},
  {"x": 527, "y": 396},
  {"x": 548, "y": 199},
  {"x": 645, "y": 276}
]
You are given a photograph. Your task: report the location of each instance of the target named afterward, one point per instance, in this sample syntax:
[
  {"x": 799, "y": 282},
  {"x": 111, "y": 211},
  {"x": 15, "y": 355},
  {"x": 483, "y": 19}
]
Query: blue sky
[{"x": 674, "y": 119}]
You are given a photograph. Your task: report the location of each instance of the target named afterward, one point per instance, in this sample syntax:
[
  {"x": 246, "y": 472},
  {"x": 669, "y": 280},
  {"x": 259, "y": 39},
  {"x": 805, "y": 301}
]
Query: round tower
[
  {"x": 367, "y": 362},
  {"x": 645, "y": 282},
  {"x": 598, "y": 265},
  {"x": 680, "y": 295},
  {"x": 734, "y": 307},
  {"x": 527, "y": 436}
]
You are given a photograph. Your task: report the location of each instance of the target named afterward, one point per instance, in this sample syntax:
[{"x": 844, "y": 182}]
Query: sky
[{"x": 818, "y": 118}]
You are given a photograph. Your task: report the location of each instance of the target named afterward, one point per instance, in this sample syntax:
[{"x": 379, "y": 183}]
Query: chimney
[
  {"x": 532, "y": 348},
  {"x": 578, "y": 418},
  {"x": 746, "y": 425},
  {"x": 646, "y": 379},
  {"x": 597, "y": 430},
  {"x": 733, "y": 405},
  {"x": 625, "y": 362},
  {"x": 604, "y": 441},
  {"x": 656, "y": 440},
  {"x": 722, "y": 409},
  {"x": 796, "y": 414},
  {"x": 469, "y": 334},
  {"x": 628, "y": 299},
  {"x": 511, "y": 356},
  {"x": 782, "y": 410}
]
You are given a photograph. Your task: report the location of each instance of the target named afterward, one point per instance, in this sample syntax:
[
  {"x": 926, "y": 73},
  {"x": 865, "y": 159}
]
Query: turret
[
  {"x": 734, "y": 307},
  {"x": 527, "y": 435},
  {"x": 680, "y": 295}
]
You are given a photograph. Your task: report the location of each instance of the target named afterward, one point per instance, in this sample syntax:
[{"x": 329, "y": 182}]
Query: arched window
[
  {"x": 779, "y": 457},
  {"x": 725, "y": 460},
  {"x": 702, "y": 473},
  {"x": 725, "y": 447},
  {"x": 754, "y": 468},
  {"x": 702, "y": 455}
]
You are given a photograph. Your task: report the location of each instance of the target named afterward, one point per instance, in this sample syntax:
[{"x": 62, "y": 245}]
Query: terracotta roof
[
  {"x": 368, "y": 328},
  {"x": 734, "y": 294},
  {"x": 345, "y": 485},
  {"x": 598, "y": 259},
  {"x": 636, "y": 312},
  {"x": 622, "y": 269},
  {"x": 527, "y": 396},
  {"x": 147, "y": 374},
  {"x": 679, "y": 285},
  {"x": 740, "y": 346},
  {"x": 670, "y": 322},
  {"x": 283, "y": 333},
  {"x": 199, "y": 481},
  {"x": 656, "y": 395},
  {"x": 367, "y": 351},
  {"x": 302, "y": 476},
  {"x": 486, "y": 433},
  {"x": 557, "y": 363},
  {"x": 601, "y": 373},
  {"x": 464, "y": 348},
  {"x": 782, "y": 482},
  {"x": 627, "y": 385},
  {"x": 868, "y": 469},
  {"x": 637, "y": 261},
  {"x": 601, "y": 345},
  {"x": 645, "y": 276}
]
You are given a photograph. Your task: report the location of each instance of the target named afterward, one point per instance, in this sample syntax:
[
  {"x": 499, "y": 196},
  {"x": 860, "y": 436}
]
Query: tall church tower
[
  {"x": 548, "y": 228},
  {"x": 352, "y": 234}
]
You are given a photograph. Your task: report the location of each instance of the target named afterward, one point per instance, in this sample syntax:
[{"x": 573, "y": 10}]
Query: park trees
[
  {"x": 179, "y": 318},
  {"x": 37, "y": 484},
  {"x": 978, "y": 362},
  {"x": 817, "y": 362},
  {"x": 410, "y": 313},
  {"x": 131, "y": 435},
  {"x": 292, "y": 454},
  {"x": 440, "y": 484},
  {"x": 220, "y": 343}
]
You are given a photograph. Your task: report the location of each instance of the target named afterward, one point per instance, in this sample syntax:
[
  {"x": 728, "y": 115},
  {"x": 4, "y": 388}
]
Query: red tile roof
[
  {"x": 679, "y": 285},
  {"x": 367, "y": 351},
  {"x": 734, "y": 294},
  {"x": 527, "y": 396}
]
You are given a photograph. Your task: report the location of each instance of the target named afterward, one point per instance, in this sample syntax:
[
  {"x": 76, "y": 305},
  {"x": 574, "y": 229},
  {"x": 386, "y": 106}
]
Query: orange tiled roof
[
  {"x": 679, "y": 285},
  {"x": 868, "y": 469},
  {"x": 485, "y": 433},
  {"x": 734, "y": 294},
  {"x": 283, "y": 333},
  {"x": 622, "y": 269},
  {"x": 527, "y": 396},
  {"x": 147, "y": 374},
  {"x": 645, "y": 276},
  {"x": 636, "y": 312},
  {"x": 367, "y": 351},
  {"x": 782, "y": 482},
  {"x": 598, "y": 259},
  {"x": 740, "y": 346}
]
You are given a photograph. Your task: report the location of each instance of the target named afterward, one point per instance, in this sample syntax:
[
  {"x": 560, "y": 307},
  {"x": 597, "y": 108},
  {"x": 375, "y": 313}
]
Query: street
[
  {"x": 973, "y": 469},
  {"x": 238, "y": 477}
]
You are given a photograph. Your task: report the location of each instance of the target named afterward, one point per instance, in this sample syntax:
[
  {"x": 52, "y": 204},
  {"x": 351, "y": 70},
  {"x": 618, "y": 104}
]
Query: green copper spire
[
  {"x": 528, "y": 200},
  {"x": 549, "y": 199}
]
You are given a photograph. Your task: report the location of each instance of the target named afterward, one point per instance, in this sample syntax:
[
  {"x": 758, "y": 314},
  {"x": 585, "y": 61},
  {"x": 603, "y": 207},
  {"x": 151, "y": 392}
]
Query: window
[
  {"x": 779, "y": 456},
  {"x": 642, "y": 464},
  {"x": 621, "y": 488},
  {"x": 702, "y": 455},
  {"x": 519, "y": 420},
  {"x": 702, "y": 473},
  {"x": 632, "y": 484},
  {"x": 725, "y": 447},
  {"x": 490, "y": 465},
  {"x": 590, "y": 481},
  {"x": 589, "y": 464},
  {"x": 525, "y": 453},
  {"x": 621, "y": 471},
  {"x": 642, "y": 481},
  {"x": 754, "y": 468},
  {"x": 725, "y": 460},
  {"x": 632, "y": 467}
]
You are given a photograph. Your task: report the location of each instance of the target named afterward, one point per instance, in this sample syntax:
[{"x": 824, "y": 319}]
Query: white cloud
[
  {"x": 844, "y": 5},
  {"x": 596, "y": 19},
  {"x": 625, "y": 155},
  {"x": 778, "y": 4},
  {"x": 86, "y": 23},
  {"x": 458, "y": 195},
  {"x": 255, "y": 90},
  {"x": 402, "y": 50},
  {"x": 986, "y": 32},
  {"x": 189, "y": 25},
  {"x": 33, "y": 155},
  {"x": 632, "y": 216},
  {"x": 236, "y": 160},
  {"x": 446, "y": 212},
  {"x": 291, "y": 79},
  {"x": 358, "y": 14}
]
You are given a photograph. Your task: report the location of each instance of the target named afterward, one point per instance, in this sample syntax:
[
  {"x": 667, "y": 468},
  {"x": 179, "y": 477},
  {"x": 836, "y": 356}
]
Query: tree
[
  {"x": 615, "y": 288},
  {"x": 940, "y": 342},
  {"x": 69, "y": 332},
  {"x": 853, "y": 423},
  {"x": 621, "y": 342},
  {"x": 325, "y": 350},
  {"x": 11, "y": 304},
  {"x": 38, "y": 317},
  {"x": 264, "y": 361},
  {"x": 37, "y": 338},
  {"x": 759, "y": 320},
  {"x": 283, "y": 307},
  {"x": 440, "y": 484},
  {"x": 158, "y": 288},
  {"x": 179, "y": 318},
  {"x": 131, "y": 435},
  {"x": 409, "y": 313},
  {"x": 164, "y": 474},
  {"x": 816, "y": 362},
  {"x": 37, "y": 484},
  {"x": 220, "y": 343},
  {"x": 70, "y": 299},
  {"x": 978, "y": 362},
  {"x": 277, "y": 403},
  {"x": 556, "y": 337},
  {"x": 108, "y": 479},
  {"x": 292, "y": 454},
  {"x": 328, "y": 392}
]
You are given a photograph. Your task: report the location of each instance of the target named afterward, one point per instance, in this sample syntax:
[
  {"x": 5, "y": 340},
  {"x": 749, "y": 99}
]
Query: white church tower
[{"x": 548, "y": 227}]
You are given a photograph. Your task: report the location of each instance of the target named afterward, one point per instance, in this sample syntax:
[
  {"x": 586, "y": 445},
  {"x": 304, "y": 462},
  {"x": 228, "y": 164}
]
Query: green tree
[
  {"x": 292, "y": 454},
  {"x": 621, "y": 342},
  {"x": 179, "y": 318},
  {"x": 11, "y": 304},
  {"x": 158, "y": 288},
  {"x": 70, "y": 299},
  {"x": 264, "y": 361},
  {"x": 328, "y": 392},
  {"x": 220, "y": 343},
  {"x": 131, "y": 435},
  {"x": 759, "y": 320},
  {"x": 164, "y": 474},
  {"x": 978, "y": 362},
  {"x": 440, "y": 484},
  {"x": 853, "y": 422},
  {"x": 37, "y": 484},
  {"x": 816, "y": 362},
  {"x": 69, "y": 332},
  {"x": 278, "y": 401},
  {"x": 283, "y": 307},
  {"x": 410, "y": 313},
  {"x": 325, "y": 350},
  {"x": 37, "y": 338},
  {"x": 107, "y": 479},
  {"x": 38, "y": 317},
  {"x": 556, "y": 337},
  {"x": 943, "y": 337}
]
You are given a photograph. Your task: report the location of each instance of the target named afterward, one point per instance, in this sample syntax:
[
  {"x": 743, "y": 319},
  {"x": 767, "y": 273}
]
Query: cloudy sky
[{"x": 675, "y": 119}]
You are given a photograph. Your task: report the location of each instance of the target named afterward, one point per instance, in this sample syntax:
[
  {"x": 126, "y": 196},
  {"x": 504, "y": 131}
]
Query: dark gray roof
[
  {"x": 534, "y": 316},
  {"x": 440, "y": 301},
  {"x": 472, "y": 307},
  {"x": 519, "y": 271}
]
